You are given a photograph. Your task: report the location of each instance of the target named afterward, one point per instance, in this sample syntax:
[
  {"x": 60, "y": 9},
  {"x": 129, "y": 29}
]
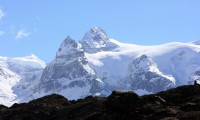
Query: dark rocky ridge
[{"x": 181, "y": 103}]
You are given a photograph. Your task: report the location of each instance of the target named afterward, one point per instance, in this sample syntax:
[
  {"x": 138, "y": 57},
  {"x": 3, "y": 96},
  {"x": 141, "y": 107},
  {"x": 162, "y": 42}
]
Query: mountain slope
[
  {"x": 145, "y": 75},
  {"x": 17, "y": 76},
  {"x": 69, "y": 74},
  {"x": 170, "y": 58},
  {"x": 7, "y": 80}
]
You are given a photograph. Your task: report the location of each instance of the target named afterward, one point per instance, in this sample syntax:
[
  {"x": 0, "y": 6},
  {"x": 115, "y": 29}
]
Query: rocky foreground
[{"x": 182, "y": 103}]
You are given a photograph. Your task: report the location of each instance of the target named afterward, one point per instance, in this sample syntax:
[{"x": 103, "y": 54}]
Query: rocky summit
[{"x": 181, "y": 103}]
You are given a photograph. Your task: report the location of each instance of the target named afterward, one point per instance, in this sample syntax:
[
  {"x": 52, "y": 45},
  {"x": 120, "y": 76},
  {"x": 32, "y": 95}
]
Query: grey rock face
[
  {"x": 69, "y": 50},
  {"x": 71, "y": 67},
  {"x": 145, "y": 75},
  {"x": 151, "y": 82},
  {"x": 71, "y": 71}
]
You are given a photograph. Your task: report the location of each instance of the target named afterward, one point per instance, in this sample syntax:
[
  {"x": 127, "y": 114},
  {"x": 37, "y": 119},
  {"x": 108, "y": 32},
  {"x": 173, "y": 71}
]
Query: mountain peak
[
  {"x": 69, "y": 43},
  {"x": 68, "y": 38},
  {"x": 68, "y": 46},
  {"x": 94, "y": 39},
  {"x": 97, "y": 30},
  {"x": 96, "y": 34}
]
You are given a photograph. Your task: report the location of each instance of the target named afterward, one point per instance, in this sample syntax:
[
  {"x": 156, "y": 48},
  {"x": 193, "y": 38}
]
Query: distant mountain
[
  {"x": 16, "y": 76},
  {"x": 97, "y": 65}
]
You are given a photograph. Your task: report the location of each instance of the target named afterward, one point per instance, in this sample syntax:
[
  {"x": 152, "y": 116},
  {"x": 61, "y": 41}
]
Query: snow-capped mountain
[
  {"x": 17, "y": 76},
  {"x": 97, "y": 65},
  {"x": 96, "y": 40},
  {"x": 145, "y": 75},
  {"x": 69, "y": 74}
]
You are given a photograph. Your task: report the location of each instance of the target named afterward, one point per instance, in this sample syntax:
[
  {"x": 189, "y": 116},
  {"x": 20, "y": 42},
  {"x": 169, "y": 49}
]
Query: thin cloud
[
  {"x": 21, "y": 34},
  {"x": 2, "y": 32},
  {"x": 2, "y": 14}
]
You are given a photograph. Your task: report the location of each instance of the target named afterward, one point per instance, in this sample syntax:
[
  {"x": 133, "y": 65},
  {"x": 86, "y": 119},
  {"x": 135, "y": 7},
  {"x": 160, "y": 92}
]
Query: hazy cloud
[
  {"x": 1, "y": 14},
  {"x": 21, "y": 34},
  {"x": 1, "y": 32}
]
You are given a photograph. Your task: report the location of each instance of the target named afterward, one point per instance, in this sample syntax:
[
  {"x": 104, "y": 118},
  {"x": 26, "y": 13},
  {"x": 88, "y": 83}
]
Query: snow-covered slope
[
  {"x": 7, "y": 80},
  {"x": 179, "y": 61},
  {"x": 16, "y": 76}
]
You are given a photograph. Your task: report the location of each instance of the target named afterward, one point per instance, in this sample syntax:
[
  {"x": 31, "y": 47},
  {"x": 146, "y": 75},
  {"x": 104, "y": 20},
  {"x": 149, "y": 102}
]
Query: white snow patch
[{"x": 141, "y": 92}]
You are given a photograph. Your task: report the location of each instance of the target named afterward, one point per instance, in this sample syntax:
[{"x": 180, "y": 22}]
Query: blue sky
[{"x": 39, "y": 26}]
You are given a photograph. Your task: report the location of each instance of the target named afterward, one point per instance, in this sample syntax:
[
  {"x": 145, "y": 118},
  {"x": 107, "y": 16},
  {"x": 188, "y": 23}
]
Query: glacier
[{"x": 16, "y": 75}]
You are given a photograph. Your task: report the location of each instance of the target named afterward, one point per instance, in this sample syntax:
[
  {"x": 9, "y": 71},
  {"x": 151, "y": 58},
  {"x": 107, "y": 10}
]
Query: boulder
[{"x": 123, "y": 101}]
